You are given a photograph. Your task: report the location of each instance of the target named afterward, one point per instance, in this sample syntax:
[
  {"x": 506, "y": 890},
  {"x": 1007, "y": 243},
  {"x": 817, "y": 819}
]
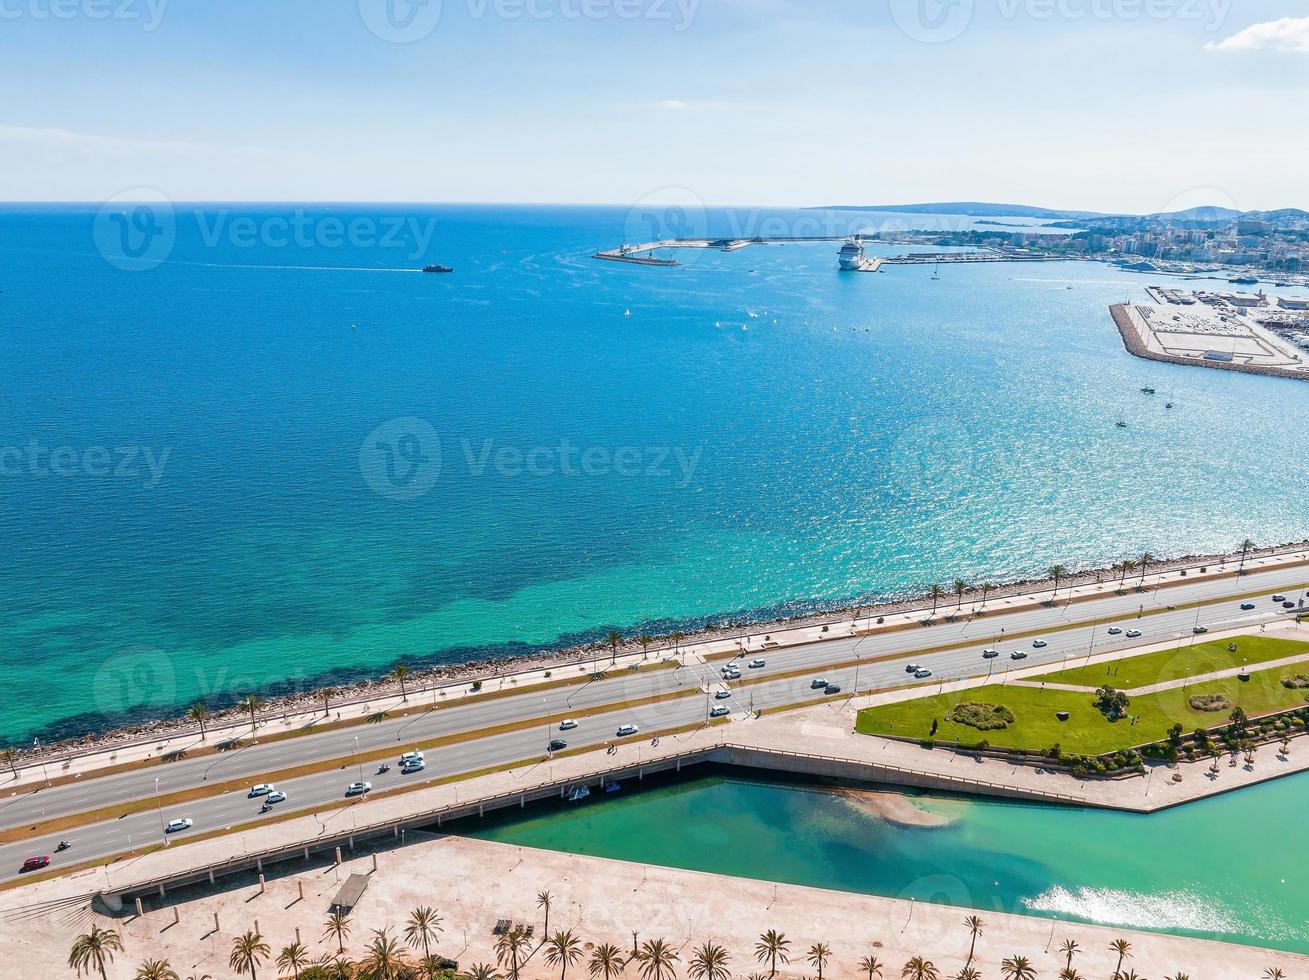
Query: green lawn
[
  {"x": 1170, "y": 665},
  {"x": 1087, "y": 731}
]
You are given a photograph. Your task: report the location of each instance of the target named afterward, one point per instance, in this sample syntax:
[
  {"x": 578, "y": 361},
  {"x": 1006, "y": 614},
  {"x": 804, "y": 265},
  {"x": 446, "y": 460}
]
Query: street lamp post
[
  {"x": 358, "y": 761},
  {"x": 159, "y": 809}
]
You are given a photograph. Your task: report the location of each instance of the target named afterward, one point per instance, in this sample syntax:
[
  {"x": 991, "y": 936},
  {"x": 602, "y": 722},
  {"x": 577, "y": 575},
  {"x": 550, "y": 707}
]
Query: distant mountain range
[{"x": 977, "y": 209}]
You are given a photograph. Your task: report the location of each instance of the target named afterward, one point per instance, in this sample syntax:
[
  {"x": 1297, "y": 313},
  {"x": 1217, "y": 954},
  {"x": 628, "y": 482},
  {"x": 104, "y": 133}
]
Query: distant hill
[{"x": 973, "y": 209}]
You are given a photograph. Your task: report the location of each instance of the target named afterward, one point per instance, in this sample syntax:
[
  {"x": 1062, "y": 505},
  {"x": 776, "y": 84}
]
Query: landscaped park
[{"x": 1114, "y": 706}]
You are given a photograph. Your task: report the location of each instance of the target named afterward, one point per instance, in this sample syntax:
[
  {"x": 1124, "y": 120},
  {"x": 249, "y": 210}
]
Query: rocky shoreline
[{"x": 425, "y": 678}]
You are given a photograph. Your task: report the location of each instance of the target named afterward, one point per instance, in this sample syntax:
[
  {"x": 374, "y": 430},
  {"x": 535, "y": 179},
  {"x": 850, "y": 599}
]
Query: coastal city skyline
[{"x": 762, "y": 96}]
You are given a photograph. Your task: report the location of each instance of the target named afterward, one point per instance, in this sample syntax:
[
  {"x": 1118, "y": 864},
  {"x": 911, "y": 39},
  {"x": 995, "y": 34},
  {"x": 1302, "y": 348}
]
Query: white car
[
  {"x": 413, "y": 765},
  {"x": 625, "y": 730},
  {"x": 358, "y": 789},
  {"x": 913, "y": 668},
  {"x": 409, "y": 758},
  {"x": 919, "y": 673},
  {"x": 261, "y": 789},
  {"x": 990, "y": 653},
  {"x": 182, "y": 823},
  {"x": 722, "y": 695},
  {"x": 1039, "y": 644},
  {"x": 1018, "y": 655},
  {"x": 1115, "y": 630},
  {"x": 719, "y": 710},
  {"x": 276, "y": 796},
  {"x": 567, "y": 725},
  {"x": 731, "y": 672},
  {"x": 1133, "y": 634},
  {"x": 756, "y": 664}
]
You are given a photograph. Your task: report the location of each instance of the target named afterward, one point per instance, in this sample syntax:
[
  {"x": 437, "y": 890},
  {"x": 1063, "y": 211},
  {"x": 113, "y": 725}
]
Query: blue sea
[{"x": 252, "y": 448}]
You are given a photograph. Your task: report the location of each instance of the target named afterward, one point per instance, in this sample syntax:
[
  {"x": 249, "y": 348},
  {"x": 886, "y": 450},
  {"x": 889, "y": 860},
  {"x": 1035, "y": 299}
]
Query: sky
[{"x": 1109, "y": 105}]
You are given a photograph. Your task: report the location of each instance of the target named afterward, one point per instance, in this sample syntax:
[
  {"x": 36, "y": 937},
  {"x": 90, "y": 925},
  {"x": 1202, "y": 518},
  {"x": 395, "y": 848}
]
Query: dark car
[
  {"x": 35, "y": 864},
  {"x": 557, "y": 744},
  {"x": 1200, "y": 629},
  {"x": 1288, "y": 604},
  {"x": 832, "y": 689}
]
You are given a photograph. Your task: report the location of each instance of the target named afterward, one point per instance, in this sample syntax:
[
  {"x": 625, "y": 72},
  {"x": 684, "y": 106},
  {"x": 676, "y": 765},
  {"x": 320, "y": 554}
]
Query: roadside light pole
[
  {"x": 159, "y": 809},
  {"x": 359, "y": 762}
]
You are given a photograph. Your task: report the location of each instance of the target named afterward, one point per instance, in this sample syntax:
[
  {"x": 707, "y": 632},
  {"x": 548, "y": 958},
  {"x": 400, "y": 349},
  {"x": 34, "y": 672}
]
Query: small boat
[
  {"x": 1168, "y": 404},
  {"x": 580, "y": 793},
  {"x": 1121, "y": 424},
  {"x": 936, "y": 273},
  {"x": 612, "y": 786},
  {"x": 1147, "y": 391},
  {"x": 627, "y": 313},
  {"x": 437, "y": 268}
]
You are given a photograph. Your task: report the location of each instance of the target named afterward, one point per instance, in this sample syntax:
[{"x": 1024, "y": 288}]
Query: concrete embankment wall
[{"x": 1135, "y": 344}]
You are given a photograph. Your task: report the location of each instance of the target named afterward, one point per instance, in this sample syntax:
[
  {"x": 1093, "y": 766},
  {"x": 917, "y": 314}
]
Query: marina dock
[{"x": 638, "y": 254}]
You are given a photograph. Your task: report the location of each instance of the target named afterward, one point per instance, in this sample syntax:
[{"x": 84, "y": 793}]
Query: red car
[{"x": 34, "y": 864}]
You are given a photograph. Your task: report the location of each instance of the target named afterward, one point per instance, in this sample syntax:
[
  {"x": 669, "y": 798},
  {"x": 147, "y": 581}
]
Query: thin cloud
[
  {"x": 1287, "y": 34},
  {"x": 672, "y": 104}
]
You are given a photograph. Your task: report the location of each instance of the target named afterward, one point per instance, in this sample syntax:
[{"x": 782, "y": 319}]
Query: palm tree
[
  {"x": 657, "y": 959},
  {"x": 920, "y": 969},
  {"x": 10, "y": 756},
  {"x": 613, "y": 638},
  {"x": 155, "y": 970},
  {"x": 401, "y": 673},
  {"x": 1056, "y": 572},
  {"x": 199, "y": 712},
  {"x": 960, "y": 587},
  {"x": 1069, "y": 947},
  {"x": 510, "y": 947},
  {"x": 1068, "y": 973},
  {"x": 1132, "y": 975},
  {"x": 1146, "y": 558},
  {"x": 709, "y": 963},
  {"x": 968, "y": 973},
  {"x": 974, "y": 925},
  {"x": 606, "y": 962},
  {"x": 333, "y": 968},
  {"x": 985, "y": 587},
  {"x": 870, "y": 966},
  {"x": 1185, "y": 976},
  {"x": 422, "y": 929},
  {"x": 293, "y": 959},
  {"x": 91, "y": 950},
  {"x": 543, "y": 902},
  {"x": 1274, "y": 973},
  {"x": 676, "y": 636},
  {"x": 338, "y": 928},
  {"x": 645, "y": 639},
  {"x": 1246, "y": 546},
  {"x": 563, "y": 950},
  {"x": 1017, "y": 968},
  {"x": 819, "y": 954},
  {"x": 772, "y": 946},
  {"x": 1125, "y": 567},
  {"x": 253, "y": 703},
  {"x": 248, "y": 952},
  {"x": 482, "y": 971},
  {"x": 1124, "y": 949},
  {"x": 936, "y": 592},
  {"x": 385, "y": 958},
  {"x": 327, "y": 694}
]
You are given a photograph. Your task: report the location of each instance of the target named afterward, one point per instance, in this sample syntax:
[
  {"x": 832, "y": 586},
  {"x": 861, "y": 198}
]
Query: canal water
[{"x": 1230, "y": 868}]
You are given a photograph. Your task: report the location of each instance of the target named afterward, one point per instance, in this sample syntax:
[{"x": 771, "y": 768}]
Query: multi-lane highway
[{"x": 516, "y": 728}]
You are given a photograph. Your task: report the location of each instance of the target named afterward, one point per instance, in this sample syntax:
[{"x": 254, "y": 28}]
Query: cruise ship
[{"x": 852, "y": 256}]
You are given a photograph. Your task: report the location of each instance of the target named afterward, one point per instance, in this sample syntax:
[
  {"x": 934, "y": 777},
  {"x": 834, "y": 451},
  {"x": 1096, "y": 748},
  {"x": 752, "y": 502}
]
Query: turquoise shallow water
[
  {"x": 764, "y": 435},
  {"x": 1228, "y": 868}
]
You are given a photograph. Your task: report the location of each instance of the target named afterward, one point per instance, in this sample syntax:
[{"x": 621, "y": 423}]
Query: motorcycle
[
  {"x": 63, "y": 846},
  {"x": 383, "y": 770}
]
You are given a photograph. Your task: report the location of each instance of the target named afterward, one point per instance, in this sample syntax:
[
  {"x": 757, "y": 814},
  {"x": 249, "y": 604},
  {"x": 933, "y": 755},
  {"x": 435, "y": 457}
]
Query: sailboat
[{"x": 936, "y": 273}]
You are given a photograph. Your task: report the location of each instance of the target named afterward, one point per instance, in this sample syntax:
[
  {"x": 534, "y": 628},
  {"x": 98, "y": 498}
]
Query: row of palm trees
[{"x": 388, "y": 957}]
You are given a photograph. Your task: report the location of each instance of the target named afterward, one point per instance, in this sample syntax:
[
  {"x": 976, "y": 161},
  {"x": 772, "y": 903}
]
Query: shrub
[
  {"x": 983, "y": 717},
  {"x": 1211, "y": 702},
  {"x": 1112, "y": 703},
  {"x": 1296, "y": 683}
]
